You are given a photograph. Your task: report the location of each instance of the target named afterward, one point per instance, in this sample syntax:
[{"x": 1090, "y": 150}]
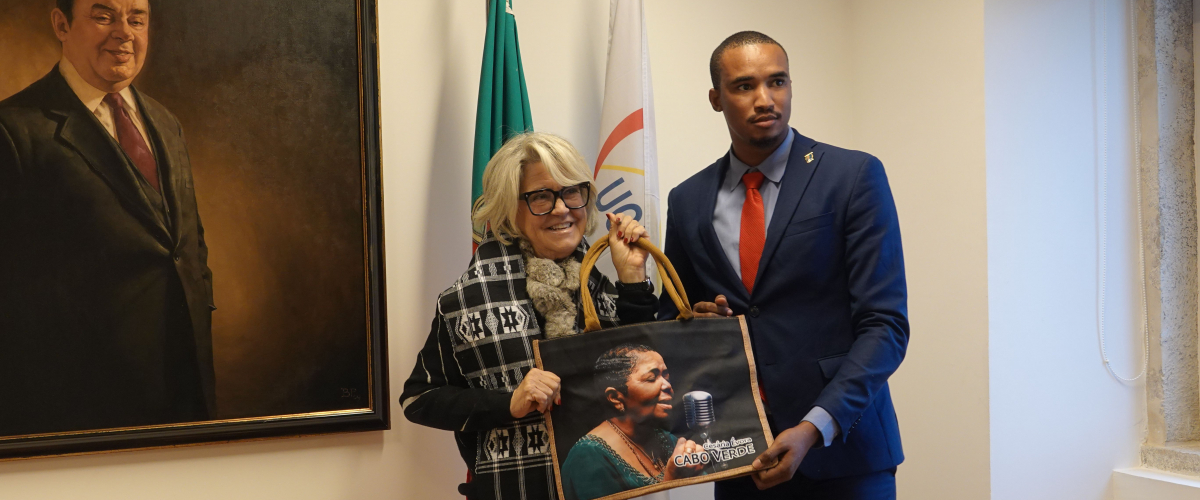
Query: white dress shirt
[
  {"x": 727, "y": 221},
  {"x": 93, "y": 99}
]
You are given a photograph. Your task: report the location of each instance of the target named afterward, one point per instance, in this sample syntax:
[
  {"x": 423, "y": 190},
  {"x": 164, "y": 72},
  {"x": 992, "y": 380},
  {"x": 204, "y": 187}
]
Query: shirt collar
[
  {"x": 772, "y": 167},
  {"x": 92, "y": 97}
]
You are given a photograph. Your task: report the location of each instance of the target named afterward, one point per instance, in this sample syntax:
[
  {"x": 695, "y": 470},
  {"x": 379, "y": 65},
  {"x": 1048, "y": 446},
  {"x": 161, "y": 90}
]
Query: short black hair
[
  {"x": 735, "y": 40},
  {"x": 68, "y": 9},
  {"x": 614, "y": 366}
]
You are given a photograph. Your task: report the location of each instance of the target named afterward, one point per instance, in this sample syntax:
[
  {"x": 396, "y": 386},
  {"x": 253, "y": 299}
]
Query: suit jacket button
[
  {"x": 176, "y": 258},
  {"x": 753, "y": 311}
]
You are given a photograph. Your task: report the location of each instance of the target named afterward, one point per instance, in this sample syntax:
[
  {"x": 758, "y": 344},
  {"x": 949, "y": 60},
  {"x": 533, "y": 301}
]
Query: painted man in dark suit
[
  {"x": 803, "y": 238},
  {"x": 105, "y": 291}
]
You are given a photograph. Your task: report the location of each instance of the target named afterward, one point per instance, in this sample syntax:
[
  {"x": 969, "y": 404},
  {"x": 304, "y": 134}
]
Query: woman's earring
[{"x": 621, "y": 407}]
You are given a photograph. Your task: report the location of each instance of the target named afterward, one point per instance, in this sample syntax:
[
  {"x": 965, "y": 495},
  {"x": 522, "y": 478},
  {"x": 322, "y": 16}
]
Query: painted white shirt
[{"x": 93, "y": 99}]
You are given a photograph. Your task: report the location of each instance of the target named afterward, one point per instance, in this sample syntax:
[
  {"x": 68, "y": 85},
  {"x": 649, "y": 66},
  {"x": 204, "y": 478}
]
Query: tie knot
[
  {"x": 114, "y": 100},
  {"x": 753, "y": 179}
]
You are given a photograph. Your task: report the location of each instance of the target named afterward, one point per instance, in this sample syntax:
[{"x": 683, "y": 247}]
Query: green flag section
[{"x": 503, "y": 98}]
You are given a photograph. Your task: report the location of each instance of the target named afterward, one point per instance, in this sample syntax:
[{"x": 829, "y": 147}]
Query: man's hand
[
  {"x": 538, "y": 391},
  {"x": 777, "y": 465},
  {"x": 718, "y": 308}
]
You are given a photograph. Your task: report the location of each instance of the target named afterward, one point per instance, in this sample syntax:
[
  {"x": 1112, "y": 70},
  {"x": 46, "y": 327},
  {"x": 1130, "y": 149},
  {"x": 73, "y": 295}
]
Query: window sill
[
  {"x": 1141, "y": 483},
  {"x": 1178, "y": 458}
]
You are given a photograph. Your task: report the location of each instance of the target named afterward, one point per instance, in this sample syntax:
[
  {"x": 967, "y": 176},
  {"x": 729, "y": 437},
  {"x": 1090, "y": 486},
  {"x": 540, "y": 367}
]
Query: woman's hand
[
  {"x": 538, "y": 391},
  {"x": 685, "y": 461},
  {"x": 629, "y": 260}
]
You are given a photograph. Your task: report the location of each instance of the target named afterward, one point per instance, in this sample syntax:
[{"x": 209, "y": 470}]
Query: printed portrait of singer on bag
[
  {"x": 189, "y": 226},
  {"x": 646, "y": 411}
]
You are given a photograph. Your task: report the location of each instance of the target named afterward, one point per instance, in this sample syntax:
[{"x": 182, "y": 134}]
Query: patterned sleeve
[
  {"x": 626, "y": 306},
  {"x": 437, "y": 394}
]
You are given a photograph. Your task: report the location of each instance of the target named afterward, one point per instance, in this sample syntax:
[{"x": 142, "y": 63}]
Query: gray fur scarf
[{"x": 552, "y": 287}]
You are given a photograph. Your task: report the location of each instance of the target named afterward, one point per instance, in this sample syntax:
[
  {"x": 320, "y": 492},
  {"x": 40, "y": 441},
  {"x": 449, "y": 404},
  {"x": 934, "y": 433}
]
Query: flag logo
[{"x": 626, "y": 170}]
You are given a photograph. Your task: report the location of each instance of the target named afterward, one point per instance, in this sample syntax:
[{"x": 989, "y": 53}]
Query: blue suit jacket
[{"x": 828, "y": 317}]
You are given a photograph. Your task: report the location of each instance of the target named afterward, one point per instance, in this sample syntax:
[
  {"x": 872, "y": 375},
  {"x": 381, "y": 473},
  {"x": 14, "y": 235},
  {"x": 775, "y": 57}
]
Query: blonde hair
[{"x": 497, "y": 206}]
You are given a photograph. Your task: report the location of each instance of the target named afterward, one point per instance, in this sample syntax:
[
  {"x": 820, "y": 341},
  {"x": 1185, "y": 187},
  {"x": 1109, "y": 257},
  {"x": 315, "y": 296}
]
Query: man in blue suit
[{"x": 803, "y": 239}]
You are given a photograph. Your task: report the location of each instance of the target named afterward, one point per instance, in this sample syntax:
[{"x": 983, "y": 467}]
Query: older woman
[
  {"x": 475, "y": 375},
  {"x": 630, "y": 448}
]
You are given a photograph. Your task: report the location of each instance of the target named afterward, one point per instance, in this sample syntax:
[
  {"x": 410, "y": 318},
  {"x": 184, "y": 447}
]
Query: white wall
[
  {"x": 918, "y": 99},
  {"x": 1060, "y": 423}
]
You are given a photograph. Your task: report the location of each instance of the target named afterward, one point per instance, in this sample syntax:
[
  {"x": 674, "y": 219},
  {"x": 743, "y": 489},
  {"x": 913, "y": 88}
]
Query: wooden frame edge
[{"x": 374, "y": 416}]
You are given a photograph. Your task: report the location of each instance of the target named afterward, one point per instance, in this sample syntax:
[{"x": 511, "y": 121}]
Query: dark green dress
[{"x": 593, "y": 469}]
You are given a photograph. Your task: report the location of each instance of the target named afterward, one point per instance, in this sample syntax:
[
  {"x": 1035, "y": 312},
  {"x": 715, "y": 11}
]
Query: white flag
[{"x": 626, "y": 169}]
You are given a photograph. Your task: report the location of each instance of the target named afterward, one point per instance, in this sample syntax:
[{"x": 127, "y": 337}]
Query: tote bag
[{"x": 631, "y": 392}]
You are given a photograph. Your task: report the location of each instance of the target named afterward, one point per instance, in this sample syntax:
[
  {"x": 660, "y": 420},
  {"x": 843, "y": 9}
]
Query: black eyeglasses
[{"x": 543, "y": 201}]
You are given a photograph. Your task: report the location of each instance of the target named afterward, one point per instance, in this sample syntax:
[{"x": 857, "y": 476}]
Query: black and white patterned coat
[{"x": 479, "y": 348}]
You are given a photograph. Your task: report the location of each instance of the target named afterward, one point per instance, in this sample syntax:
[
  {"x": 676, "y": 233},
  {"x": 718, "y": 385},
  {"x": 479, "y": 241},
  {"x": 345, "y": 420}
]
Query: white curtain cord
[{"x": 1137, "y": 155}]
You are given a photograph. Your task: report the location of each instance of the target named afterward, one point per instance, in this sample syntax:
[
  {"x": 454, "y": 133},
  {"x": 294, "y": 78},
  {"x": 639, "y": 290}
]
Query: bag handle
[{"x": 672, "y": 285}]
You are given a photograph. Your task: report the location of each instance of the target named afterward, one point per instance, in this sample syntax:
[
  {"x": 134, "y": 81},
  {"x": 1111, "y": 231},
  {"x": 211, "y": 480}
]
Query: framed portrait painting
[{"x": 190, "y": 223}]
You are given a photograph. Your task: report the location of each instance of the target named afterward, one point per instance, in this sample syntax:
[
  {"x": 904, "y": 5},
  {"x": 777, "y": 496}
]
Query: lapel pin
[{"x": 808, "y": 158}]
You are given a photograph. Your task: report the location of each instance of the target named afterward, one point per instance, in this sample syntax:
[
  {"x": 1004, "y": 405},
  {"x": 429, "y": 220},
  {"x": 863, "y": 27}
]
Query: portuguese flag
[{"x": 503, "y": 98}]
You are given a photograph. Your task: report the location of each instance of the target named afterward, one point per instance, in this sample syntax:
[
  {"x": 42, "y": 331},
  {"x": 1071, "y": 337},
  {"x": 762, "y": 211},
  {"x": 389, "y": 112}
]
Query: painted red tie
[
  {"x": 132, "y": 141},
  {"x": 754, "y": 229}
]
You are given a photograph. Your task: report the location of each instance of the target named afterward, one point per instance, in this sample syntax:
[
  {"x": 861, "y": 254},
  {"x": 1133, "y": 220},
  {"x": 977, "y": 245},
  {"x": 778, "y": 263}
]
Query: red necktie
[
  {"x": 754, "y": 229},
  {"x": 132, "y": 141}
]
